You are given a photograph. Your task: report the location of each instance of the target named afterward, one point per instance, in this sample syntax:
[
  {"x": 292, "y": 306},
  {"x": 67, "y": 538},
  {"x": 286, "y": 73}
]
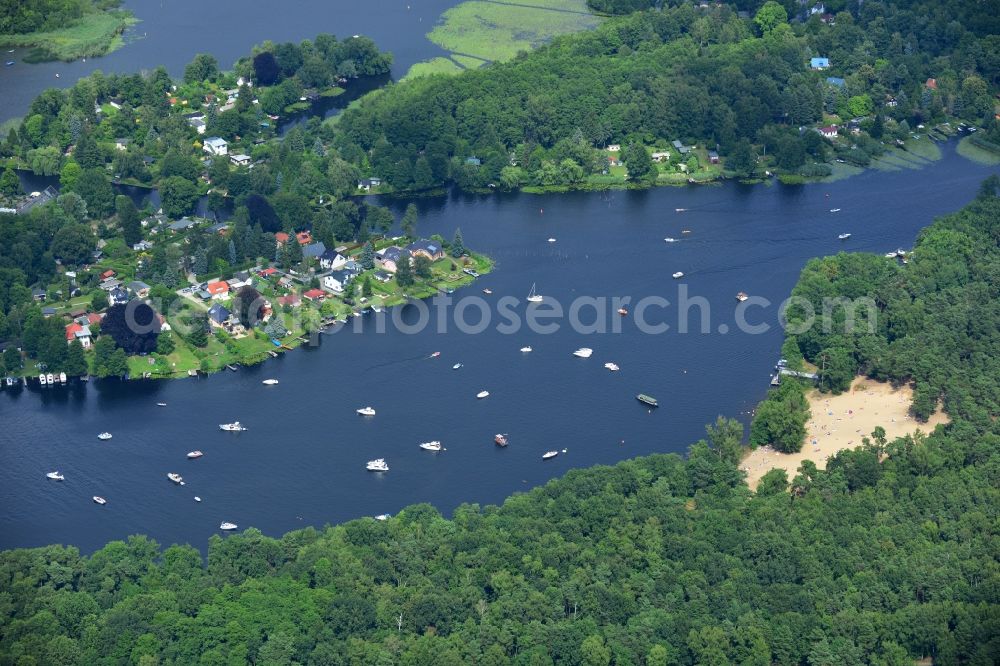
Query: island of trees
[
  {"x": 63, "y": 29},
  {"x": 885, "y": 557}
]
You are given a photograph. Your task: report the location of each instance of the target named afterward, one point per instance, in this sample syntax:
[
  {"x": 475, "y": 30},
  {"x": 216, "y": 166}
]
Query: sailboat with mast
[{"x": 534, "y": 296}]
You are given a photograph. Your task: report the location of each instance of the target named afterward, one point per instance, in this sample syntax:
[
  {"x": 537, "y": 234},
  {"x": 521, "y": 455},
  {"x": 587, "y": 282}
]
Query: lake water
[
  {"x": 172, "y": 32},
  {"x": 302, "y": 460}
]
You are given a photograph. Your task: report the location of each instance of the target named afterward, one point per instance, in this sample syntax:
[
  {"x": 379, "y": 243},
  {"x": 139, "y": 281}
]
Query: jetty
[{"x": 782, "y": 370}]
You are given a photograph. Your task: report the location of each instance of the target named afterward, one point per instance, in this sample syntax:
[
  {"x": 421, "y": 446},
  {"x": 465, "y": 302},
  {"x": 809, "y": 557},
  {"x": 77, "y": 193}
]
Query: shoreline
[{"x": 839, "y": 422}]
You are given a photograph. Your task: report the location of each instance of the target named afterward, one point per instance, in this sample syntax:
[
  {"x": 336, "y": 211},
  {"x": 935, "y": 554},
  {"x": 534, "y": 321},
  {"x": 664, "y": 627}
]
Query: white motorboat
[
  {"x": 228, "y": 526},
  {"x": 194, "y": 454},
  {"x": 377, "y": 465},
  {"x": 55, "y": 476},
  {"x": 534, "y": 296},
  {"x": 526, "y": 350},
  {"x": 42, "y": 380},
  {"x": 62, "y": 377},
  {"x": 235, "y": 426},
  {"x": 50, "y": 378},
  {"x": 678, "y": 275},
  {"x": 104, "y": 436},
  {"x": 487, "y": 291},
  {"x": 482, "y": 394},
  {"x": 843, "y": 236},
  {"x": 583, "y": 352},
  {"x": 891, "y": 255},
  {"x": 613, "y": 367},
  {"x": 383, "y": 516},
  {"x": 269, "y": 382},
  {"x": 161, "y": 404},
  {"x": 668, "y": 239},
  {"x": 549, "y": 454},
  {"x": 623, "y": 311},
  {"x": 456, "y": 366},
  {"x": 366, "y": 411},
  {"x": 500, "y": 439},
  {"x": 552, "y": 240},
  {"x": 197, "y": 499},
  {"x": 834, "y": 210},
  {"x": 99, "y": 500},
  {"x": 432, "y": 446},
  {"x": 742, "y": 296},
  {"x": 176, "y": 478}
]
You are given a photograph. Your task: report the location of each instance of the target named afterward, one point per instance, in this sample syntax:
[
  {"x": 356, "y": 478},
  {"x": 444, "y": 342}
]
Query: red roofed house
[
  {"x": 93, "y": 318},
  {"x": 291, "y": 300},
  {"x": 829, "y": 132},
  {"x": 281, "y": 238},
  {"x": 304, "y": 238},
  {"x": 75, "y": 331},
  {"x": 107, "y": 274},
  {"x": 314, "y": 294},
  {"x": 218, "y": 289},
  {"x": 268, "y": 272},
  {"x": 613, "y": 160},
  {"x": 932, "y": 84}
]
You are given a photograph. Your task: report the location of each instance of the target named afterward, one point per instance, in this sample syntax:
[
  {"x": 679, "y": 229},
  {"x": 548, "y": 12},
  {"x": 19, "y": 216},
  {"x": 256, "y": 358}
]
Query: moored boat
[
  {"x": 623, "y": 311},
  {"x": 500, "y": 439},
  {"x": 534, "y": 296},
  {"x": 42, "y": 380},
  {"x": 62, "y": 377},
  {"x": 269, "y": 382},
  {"x": 176, "y": 478},
  {"x": 235, "y": 426},
  {"x": 668, "y": 239},
  {"x": 742, "y": 296},
  {"x": 377, "y": 465},
  {"x": 526, "y": 350},
  {"x": 50, "y": 378},
  {"x": 456, "y": 366},
  {"x": 843, "y": 236},
  {"x": 228, "y": 526},
  {"x": 194, "y": 454},
  {"x": 482, "y": 394},
  {"x": 55, "y": 476},
  {"x": 383, "y": 516},
  {"x": 613, "y": 367},
  {"x": 161, "y": 404},
  {"x": 487, "y": 291},
  {"x": 104, "y": 436},
  {"x": 678, "y": 275},
  {"x": 432, "y": 446},
  {"x": 99, "y": 500},
  {"x": 366, "y": 411},
  {"x": 647, "y": 399},
  {"x": 548, "y": 455},
  {"x": 583, "y": 352}
]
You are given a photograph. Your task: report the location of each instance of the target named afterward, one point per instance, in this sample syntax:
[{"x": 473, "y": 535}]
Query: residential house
[
  {"x": 818, "y": 8},
  {"x": 681, "y": 148},
  {"x": 203, "y": 295},
  {"x": 79, "y": 332},
  {"x": 891, "y": 102},
  {"x": 198, "y": 123},
  {"x": 239, "y": 159},
  {"x": 828, "y": 18},
  {"x": 382, "y": 276},
  {"x": 613, "y": 161},
  {"x": 713, "y": 157},
  {"x": 931, "y": 83},
  {"x": 352, "y": 265},
  {"x": 217, "y": 228},
  {"x": 267, "y": 272},
  {"x": 836, "y": 81},
  {"x": 332, "y": 260},
  {"x": 819, "y": 63},
  {"x": 218, "y": 289},
  {"x": 390, "y": 257},
  {"x": 142, "y": 246},
  {"x": 48, "y": 312},
  {"x": 614, "y": 148},
  {"x": 218, "y": 315},
  {"x": 473, "y": 161},
  {"x": 93, "y": 318},
  {"x": 427, "y": 248},
  {"x": 38, "y": 294},
  {"x": 181, "y": 224},
  {"x": 661, "y": 156},
  {"x": 829, "y": 132},
  {"x": 109, "y": 284},
  {"x": 337, "y": 281},
  {"x": 216, "y": 146},
  {"x": 314, "y": 295},
  {"x": 118, "y": 296},
  {"x": 291, "y": 300},
  {"x": 139, "y": 288},
  {"x": 122, "y": 144},
  {"x": 280, "y": 238},
  {"x": 304, "y": 238},
  {"x": 367, "y": 184}
]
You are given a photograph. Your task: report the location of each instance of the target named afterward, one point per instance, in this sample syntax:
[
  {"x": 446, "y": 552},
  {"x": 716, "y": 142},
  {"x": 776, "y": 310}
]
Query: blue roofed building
[{"x": 819, "y": 63}]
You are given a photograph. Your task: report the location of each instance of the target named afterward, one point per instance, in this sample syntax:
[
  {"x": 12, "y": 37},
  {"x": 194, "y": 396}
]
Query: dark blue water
[
  {"x": 302, "y": 460},
  {"x": 172, "y": 32}
]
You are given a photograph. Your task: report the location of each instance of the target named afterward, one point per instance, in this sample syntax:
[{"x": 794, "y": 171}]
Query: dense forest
[
  {"x": 885, "y": 557},
  {"x": 697, "y": 75}
]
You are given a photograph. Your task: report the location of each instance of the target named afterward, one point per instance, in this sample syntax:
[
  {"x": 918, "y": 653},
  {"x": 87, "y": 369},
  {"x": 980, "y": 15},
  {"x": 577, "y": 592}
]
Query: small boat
[
  {"x": 62, "y": 377},
  {"x": 50, "y": 378},
  {"x": 685, "y": 231},
  {"x": 623, "y": 311},
  {"x": 99, "y": 500},
  {"x": 552, "y": 240},
  {"x": 613, "y": 367},
  {"x": 161, "y": 404},
  {"x": 231, "y": 367},
  {"x": 176, "y": 478},
  {"x": 742, "y": 296},
  {"x": 834, "y": 210},
  {"x": 435, "y": 354},
  {"x": 487, "y": 291},
  {"x": 55, "y": 476},
  {"x": 678, "y": 275},
  {"x": 235, "y": 426},
  {"x": 843, "y": 236},
  {"x": 383, "y": 516},
  {"x": 42, "y": 380},
  {"x": 500, "y": 439},
  {"x": 377, "y": 465},
  {"x": 548, "y": 455},
  {"x": 366, "y": 411},
  {"x": 668, "y": 239},
  {"x": 104, "y": 436},
  {"x": 583, "y": 352},
  {"x": 269, "y": 382},
  {"x": 482, "y": 394},
  {"x": 228, "y": 526},
  {"x": 194, "y": 454},
  {"x": 526, "y": 350},
  {"x": 197, "y": 499},
  {"x": 432, "y": 446},
  {"x": 534, "y": 296},
  {"x": 456, "y": 366},
  {"x": 891, "y": 255},
  {"x": 679, "y": 210},
  {"x": 647, "y": 400},
  {"x": 9, "y": 63}
]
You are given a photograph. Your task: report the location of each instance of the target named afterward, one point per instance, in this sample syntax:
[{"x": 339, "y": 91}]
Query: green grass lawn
[
  {"x": 93, "y": 34},
  {"x": 499, "y": 30},
  {"x": 435, "y": 66}
]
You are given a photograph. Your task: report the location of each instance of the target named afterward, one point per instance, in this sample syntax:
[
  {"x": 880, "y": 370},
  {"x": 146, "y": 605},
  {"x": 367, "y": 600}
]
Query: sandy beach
[{"x": 839, "y": 422}]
